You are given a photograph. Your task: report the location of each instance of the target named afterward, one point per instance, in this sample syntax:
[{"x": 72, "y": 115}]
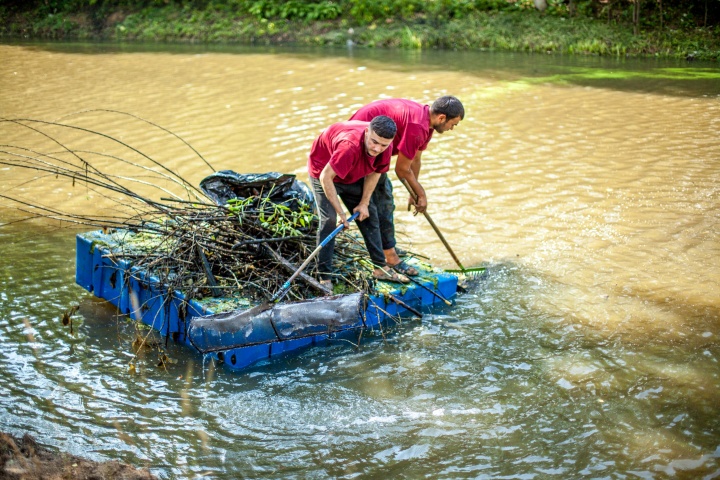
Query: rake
[{"x": 466, "y": 271}]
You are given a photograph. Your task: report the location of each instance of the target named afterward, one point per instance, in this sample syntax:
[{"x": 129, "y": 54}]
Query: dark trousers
[
  {"x": 350, "y": 195},
  {"x": 382, "y": 197}
]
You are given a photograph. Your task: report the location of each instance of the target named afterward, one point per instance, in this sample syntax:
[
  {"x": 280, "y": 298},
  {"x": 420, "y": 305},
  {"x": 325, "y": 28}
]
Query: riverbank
[
  {"x": 24, "y": 459},
  {"x": 526, "y": 31}
]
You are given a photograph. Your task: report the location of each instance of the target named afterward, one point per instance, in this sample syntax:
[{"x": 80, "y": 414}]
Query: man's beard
[{"x": 438, "y": 128}]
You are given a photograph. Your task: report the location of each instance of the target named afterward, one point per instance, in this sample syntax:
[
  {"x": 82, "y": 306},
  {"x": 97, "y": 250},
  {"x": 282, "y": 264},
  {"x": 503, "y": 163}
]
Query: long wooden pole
[{"x": 432, "y": 224}]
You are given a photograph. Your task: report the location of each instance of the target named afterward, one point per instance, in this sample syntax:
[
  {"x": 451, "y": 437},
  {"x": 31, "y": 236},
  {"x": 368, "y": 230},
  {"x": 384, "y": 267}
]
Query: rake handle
[
  {"x": 432, "y": 224},
  {"x": 286, "y": 286}
]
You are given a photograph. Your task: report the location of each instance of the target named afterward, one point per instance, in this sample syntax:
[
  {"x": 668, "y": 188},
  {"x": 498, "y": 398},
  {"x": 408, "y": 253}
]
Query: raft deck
[{"x": 140, "y": 295}]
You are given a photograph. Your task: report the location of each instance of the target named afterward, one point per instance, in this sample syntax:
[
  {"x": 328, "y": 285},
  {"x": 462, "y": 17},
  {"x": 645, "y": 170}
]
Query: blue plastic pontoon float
[{"x": 143, "y": 297}]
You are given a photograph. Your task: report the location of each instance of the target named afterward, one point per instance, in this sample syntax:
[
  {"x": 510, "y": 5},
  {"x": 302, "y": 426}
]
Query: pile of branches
[
  {"x": 192, "y": 241},
  {"x": 247, "y": 247}
]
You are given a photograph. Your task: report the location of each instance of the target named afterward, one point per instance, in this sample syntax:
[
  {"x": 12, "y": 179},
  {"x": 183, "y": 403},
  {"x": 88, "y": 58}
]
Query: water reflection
[
  {"x": 672, "y": 77},
  {"x": 587, "y": 186}
]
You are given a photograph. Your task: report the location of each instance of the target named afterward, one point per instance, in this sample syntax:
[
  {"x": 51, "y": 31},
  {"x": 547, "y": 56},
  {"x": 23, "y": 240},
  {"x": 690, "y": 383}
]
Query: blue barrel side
[
  {"x": 239, "y": 358},
  {"x": 373, "y": 314},
  {"x": 84, "y": 262},
  {"x": 446, "y": 285},
  {"x": 279, "y": 348}
]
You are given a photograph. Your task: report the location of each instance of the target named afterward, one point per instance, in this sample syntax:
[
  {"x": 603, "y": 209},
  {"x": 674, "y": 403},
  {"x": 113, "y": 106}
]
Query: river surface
[{"x": 589, "y": 188}]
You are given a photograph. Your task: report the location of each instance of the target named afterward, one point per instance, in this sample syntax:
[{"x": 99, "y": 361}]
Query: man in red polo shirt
[
  {"x": 415, "y": 126},
  {"x": 346, "y": 161}
]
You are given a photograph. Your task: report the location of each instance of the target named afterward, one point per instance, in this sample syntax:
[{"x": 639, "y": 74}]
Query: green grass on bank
[{"x": 503, "y": 30}]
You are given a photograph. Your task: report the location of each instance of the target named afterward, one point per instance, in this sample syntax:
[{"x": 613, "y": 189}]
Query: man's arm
[
  {"x": 326, "y": 180},
  {"x": 416, "y": 164},
  {"x": 409, "y": 170},
  {"x": 369, "y": 184}
]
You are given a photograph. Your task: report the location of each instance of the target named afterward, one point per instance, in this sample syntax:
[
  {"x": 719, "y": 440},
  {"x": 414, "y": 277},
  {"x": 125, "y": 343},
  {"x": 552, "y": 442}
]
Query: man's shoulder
[
  {"x": 348, "y": 126},
  {"x": 402, "y": 110},
  {"x": 396, "y": 103},
  {"x": 348, "y": 129}
]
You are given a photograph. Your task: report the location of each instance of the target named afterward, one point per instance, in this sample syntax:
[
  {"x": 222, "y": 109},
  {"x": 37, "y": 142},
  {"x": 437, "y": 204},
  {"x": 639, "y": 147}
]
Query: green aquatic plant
[
  {"x": 237, "y": 207},
  {"x": 283, "y": 221}
]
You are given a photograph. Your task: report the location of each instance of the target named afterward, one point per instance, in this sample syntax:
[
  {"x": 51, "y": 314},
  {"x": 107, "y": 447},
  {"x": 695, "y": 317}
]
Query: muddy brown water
[{"x": 590, "y": 188}]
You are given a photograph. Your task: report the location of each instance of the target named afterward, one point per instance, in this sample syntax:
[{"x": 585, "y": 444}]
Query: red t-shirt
[
  {"x": 412, "y": 120},
  {"x": 343, "y": 146}
]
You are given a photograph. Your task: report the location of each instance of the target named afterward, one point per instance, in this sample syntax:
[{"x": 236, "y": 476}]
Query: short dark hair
[
  {"x": 449, "y": 106},
  {"x": 383, "y": 126}
]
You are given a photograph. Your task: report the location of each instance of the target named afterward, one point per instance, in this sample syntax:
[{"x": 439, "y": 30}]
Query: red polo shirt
[
  {"x": 343, "y": 146},
  {"x": 412, "y": 120}
]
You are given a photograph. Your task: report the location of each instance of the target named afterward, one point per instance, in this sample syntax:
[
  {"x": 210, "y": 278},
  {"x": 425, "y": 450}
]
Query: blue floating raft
[{"x": 211, "y": 328}]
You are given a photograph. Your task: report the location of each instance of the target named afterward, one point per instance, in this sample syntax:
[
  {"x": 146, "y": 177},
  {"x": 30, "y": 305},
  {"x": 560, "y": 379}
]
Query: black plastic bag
[{"x": 281, "y": 188}]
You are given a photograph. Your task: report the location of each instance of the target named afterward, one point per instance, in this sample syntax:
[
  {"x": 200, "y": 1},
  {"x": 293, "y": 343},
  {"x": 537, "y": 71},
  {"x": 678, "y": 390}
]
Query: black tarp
[{"x": 278, "y": 322}]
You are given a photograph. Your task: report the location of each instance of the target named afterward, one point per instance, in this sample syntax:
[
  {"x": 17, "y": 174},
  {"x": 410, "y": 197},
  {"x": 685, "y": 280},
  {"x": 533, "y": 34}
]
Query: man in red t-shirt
[
  {"x": 346, "y": 161},
  {"x": 415, "y": 126}
]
